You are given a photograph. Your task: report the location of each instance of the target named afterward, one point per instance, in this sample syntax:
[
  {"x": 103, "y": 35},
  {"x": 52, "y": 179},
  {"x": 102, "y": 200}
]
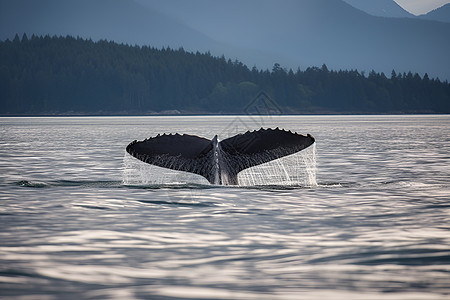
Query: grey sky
[{"x": 419, "y": 7}]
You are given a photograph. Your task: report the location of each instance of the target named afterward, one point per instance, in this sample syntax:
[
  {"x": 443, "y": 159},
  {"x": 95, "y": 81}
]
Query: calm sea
[{"x": 372, "y": 221}]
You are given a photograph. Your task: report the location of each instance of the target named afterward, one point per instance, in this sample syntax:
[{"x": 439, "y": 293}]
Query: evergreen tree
[{"x": 47, "y": 75}]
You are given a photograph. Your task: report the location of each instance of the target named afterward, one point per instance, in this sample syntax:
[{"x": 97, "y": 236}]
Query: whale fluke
[{"x": 218, "y": 162}]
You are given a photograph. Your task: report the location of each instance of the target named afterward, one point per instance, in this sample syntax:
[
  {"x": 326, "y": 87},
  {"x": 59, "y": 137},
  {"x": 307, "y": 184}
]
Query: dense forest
[{"x": 67, "y": 75}]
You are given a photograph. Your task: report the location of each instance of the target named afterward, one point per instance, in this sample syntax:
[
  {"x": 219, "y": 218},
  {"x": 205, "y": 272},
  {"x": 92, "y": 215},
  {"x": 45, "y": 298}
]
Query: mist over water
[{"x": 367, "y": 216}]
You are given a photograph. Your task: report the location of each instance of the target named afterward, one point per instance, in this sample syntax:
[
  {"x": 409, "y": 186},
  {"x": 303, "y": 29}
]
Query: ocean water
[{"x": 364, "y": 214}]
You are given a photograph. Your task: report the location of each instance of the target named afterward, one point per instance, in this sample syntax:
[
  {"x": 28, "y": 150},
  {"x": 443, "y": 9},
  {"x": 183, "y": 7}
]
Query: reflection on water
[{"x": 374, "y": 227}]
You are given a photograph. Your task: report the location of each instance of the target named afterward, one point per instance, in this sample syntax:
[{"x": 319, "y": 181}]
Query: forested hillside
[
  {"x": 294, "y": 33},
  {"x": 66, "y": 75}
]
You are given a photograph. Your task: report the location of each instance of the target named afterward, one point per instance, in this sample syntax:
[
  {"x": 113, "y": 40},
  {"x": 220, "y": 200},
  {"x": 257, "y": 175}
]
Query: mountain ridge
[
  {"x": 381, "y": 8},
  {"x": 441, "y": 14},
  {"x": 325, "y": 31}
]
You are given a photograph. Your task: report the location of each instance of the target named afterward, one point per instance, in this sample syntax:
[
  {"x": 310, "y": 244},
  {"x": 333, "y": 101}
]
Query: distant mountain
[
  {"x": 119, "y": 20},
  {"x": 441, "y": 14},
  {"x": 381, "y": 8},
  {"x": 293, "y": 33},
  {"x": 312, "y": 32}
]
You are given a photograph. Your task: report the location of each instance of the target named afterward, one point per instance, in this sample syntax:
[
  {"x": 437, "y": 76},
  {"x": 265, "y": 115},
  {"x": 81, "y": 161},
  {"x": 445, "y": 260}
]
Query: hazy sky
[{"x": 419, "y": 7}]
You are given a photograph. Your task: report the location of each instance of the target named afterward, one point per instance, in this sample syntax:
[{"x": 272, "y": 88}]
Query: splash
[
  {"x": 136, "y": 172},
  {"x": 298, "y": 169}
]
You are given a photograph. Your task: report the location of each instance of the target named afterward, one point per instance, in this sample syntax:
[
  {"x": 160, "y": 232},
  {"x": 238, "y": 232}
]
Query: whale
[{"x": 218, "y": 161}]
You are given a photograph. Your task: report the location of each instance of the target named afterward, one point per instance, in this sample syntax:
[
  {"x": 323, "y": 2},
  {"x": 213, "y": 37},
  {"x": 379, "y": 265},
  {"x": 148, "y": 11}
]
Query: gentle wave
[
  {"x": 69, "y": 183},
  {"x": 375, "y": 226},
  {"x": 174, "y": 186}
]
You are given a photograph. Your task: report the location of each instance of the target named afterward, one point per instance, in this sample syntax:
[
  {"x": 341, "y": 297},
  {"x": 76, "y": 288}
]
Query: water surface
[{"x": 375, "y": 226}]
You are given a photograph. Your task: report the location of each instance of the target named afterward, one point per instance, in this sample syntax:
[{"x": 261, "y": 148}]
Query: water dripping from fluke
[{"x": 257, "y": 158}]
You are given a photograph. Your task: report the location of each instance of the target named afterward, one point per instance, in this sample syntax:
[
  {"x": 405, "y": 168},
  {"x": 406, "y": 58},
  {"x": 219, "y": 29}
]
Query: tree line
[{"x": 68, "y": 75}]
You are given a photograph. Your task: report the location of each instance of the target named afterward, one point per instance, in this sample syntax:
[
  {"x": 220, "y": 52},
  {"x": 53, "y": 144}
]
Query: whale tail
[{"x": 218, "y": 162}]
